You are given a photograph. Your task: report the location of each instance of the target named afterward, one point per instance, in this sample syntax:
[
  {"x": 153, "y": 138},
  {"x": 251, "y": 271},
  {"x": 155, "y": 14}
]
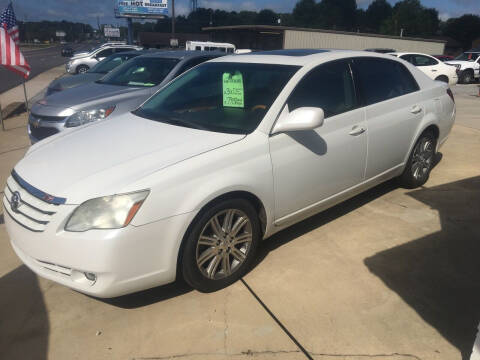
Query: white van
[{"x": 210, "y": 46}]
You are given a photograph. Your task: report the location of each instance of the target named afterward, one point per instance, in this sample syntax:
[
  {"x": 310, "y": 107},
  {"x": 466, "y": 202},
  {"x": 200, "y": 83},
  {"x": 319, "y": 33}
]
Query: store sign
[
  {"x": 111, "y": 32},
  {"x": 143, "y": 8},
  {"x": 60, "y": 33}
]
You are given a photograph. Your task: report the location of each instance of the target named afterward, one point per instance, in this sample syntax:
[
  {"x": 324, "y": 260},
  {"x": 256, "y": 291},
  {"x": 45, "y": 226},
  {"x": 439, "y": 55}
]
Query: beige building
[{"x": 263, "y": 37}]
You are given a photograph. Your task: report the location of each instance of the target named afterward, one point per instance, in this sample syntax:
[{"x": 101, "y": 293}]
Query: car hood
[
  {"x": 71, "y": 81},
  {"x": 83, "y": 96},
  {"x": 103, "y": 158},
  {"x": 79, "y": 55}
]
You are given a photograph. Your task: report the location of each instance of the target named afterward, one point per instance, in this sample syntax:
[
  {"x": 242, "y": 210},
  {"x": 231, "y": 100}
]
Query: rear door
[{"x": 393, "y": 111}]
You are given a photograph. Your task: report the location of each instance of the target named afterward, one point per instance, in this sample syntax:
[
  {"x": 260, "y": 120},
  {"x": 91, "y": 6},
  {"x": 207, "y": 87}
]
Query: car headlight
[
  {"x": 88, "y": 116},
  {"x": 108, "y": 212}
]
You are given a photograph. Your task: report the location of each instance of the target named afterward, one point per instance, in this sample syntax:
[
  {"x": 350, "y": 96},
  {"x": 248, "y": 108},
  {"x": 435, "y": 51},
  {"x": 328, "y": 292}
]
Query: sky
[{"x": 87, "y": 10}]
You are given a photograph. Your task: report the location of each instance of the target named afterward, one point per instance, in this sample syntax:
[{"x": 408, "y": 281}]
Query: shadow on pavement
[
  {"x": 24, "y": 325},
  {"x": 439, "y": 275},
  {"x": 150, "y": 296},
  {"x": 291, "y": 233}
]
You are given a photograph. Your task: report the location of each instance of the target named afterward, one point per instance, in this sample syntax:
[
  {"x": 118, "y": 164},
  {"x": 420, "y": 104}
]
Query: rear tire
[
  {"x": 420, "y": 162},
  {"x": 221, "y": 245},
  {"x": 82, "y": 69}
]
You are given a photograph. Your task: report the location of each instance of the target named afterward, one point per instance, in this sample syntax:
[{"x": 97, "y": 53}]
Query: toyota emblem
[{"x": 15, "y": 201}]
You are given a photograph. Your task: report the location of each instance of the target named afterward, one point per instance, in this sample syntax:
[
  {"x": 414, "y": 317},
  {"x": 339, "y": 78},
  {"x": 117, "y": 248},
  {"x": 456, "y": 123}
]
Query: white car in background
[
  {"x": 468, "y": 65},
  {"x": 227, "y": 154},
  {"x": 432, "y": 67}
]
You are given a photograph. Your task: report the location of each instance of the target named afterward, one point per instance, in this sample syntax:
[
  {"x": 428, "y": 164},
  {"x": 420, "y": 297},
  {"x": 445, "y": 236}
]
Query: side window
[
  {"x": 198, "y": 48},
  {"x": 420, "y": 60},
  {"x": 105, "y": 53},
  {"x": 329, "y": 86},
  {"x": 408, "y": 58},
  {"x": 382, "y": 79}
]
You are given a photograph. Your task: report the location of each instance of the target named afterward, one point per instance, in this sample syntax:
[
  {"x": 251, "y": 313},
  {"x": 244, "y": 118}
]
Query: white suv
[
  {"x": 468, "y": 65},
  {"x": 81, "y": 62}
]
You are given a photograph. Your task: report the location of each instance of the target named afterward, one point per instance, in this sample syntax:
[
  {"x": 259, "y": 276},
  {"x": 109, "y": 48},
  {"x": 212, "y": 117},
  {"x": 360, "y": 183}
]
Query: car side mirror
[{"x": 304, "y": 118}]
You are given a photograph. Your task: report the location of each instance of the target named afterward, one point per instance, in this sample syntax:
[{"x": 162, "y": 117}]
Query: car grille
[
  {"x": 55, "y": 119},
  {"x": 41, "y": 133},
  {"x": 28, "y": 206}
]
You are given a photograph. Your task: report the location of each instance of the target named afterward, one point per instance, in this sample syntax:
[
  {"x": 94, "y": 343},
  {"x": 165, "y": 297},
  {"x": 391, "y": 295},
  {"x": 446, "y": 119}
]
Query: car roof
[
  {"x": 182, "y": 54},
  {"x": 299, "y": 57}
]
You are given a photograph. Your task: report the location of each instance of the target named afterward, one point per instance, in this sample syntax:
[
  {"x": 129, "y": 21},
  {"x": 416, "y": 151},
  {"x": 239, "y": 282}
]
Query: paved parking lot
[{"x": 390, "y": 274}]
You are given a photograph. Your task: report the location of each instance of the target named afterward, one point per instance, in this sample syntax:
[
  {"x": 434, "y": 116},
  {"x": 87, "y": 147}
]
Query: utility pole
[
  {"x": 130, "y": 30},
  {"x": 173, "y": 18}
]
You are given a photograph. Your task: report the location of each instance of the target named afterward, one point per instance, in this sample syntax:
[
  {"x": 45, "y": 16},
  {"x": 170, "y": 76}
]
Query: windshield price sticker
[{"x": 233, "y": 94}]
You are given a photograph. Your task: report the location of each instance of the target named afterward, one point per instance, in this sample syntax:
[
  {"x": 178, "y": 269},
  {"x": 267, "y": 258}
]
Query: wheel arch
[{"x": 234, "y": 194}]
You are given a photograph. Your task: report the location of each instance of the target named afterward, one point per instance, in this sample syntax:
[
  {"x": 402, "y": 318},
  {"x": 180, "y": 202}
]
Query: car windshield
[
  {"x": 467, "y": 57},
  {"x": 141, "y": 72},
  {"x": 222, "y": 97},
  {"x": 110, "y": 63}
]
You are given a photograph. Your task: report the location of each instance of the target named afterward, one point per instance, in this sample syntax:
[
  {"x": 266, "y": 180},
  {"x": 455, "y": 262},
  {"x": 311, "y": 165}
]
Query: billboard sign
[
  {"x": 60, "y": 33},
  {"x": 111, "y": 32},
  {"x": 142, "y": 8}
]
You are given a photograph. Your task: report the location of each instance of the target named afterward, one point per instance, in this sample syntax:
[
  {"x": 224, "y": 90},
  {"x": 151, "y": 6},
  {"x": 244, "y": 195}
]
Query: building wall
[{"x": 295, "y": 39}]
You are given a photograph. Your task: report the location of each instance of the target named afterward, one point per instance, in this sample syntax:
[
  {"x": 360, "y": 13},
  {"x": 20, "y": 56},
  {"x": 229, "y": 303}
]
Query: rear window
[{"x": 382, "y": 79}]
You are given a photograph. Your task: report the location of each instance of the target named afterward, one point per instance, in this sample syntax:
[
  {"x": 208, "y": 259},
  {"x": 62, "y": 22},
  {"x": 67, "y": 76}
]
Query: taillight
[{"x": 449, "y": 92}]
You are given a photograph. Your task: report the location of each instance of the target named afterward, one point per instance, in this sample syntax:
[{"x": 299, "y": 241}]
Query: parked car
[
  {"x": 95, "y": 73},
  {"x": 222, "y": 157},
  {"x": 67, "y": 51},
  {"x": 80, "y": 63},
  {"x": 381, "y": 50},
  {"x": 433, "y": 68},
  {"x": 468, "y": 64},
  {"x": 444, "y": 57},
  {"x": 121, "y": 90}
]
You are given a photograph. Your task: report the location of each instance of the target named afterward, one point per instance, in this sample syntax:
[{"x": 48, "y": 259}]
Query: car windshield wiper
[{"x": 177, "y": 121}]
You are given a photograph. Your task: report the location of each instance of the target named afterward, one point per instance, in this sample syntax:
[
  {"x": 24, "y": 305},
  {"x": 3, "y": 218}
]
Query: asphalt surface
[{"x": 40, "y": 60}]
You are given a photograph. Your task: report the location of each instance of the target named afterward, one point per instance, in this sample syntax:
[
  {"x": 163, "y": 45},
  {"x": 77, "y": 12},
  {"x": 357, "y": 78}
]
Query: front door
[{"x": 310, "y": 166}]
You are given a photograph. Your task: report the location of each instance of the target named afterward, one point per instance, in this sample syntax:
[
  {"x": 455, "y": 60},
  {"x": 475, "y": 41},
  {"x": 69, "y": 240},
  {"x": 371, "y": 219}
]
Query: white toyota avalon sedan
[{"x": 224, "y": 156}]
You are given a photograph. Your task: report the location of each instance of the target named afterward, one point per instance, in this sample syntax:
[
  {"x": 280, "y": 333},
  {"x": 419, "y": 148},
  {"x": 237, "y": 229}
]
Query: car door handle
[
  {"x": 356, "y": 130},
  {"x": 433, "y": 70},
  {"x": 415, "y": 109}
]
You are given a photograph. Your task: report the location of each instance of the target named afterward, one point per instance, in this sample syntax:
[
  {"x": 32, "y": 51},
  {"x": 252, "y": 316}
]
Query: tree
[
  {"x": 337, "y": 14},
  {"x": 413, "y": 18},
  {"x": 266, "y": 17},
  {"x": 305, "y": 13},
  {"x": 464, "y": 29},
  {"x": 376, "y": 14}
]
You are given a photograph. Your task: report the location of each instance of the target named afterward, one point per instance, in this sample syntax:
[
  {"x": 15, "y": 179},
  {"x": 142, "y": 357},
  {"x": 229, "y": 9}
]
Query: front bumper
[{"x": 123, "y": 261}]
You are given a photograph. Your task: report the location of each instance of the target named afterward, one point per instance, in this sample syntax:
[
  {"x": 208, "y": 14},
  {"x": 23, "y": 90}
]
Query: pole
[
  {"x": 26, "y": 98},
  {"x": 1, "y": 118},
  {"x": 130, "y": 31},
  {"x": 173, "y": 18}
]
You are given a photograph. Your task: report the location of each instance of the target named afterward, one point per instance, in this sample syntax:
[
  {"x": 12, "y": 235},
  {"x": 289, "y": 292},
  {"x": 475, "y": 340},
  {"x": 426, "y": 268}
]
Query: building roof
[{"x": 284, "y": 28}]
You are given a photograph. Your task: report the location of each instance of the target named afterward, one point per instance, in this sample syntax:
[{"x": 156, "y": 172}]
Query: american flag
[{"x": 10, "y": 55}]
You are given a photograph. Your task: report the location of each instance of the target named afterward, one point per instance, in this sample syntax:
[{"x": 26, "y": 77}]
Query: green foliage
[
  {"x": 413, "y": 18},
  {"x": 46, "y": 30},
  {"x": 378, "y": 12},
  {"x": 464, "y": 29}
]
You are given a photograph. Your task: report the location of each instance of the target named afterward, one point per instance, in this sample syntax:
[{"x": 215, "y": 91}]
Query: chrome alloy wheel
[
  {"x": 224, "y": 244},
  {"x": 422, "y": 158}
]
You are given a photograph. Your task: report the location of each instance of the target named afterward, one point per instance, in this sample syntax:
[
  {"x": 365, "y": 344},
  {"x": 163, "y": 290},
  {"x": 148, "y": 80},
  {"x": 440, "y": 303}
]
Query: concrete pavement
[{"x": 390, "y": 274}]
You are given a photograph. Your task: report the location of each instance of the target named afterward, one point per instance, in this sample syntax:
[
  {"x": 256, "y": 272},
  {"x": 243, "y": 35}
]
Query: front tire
[
  {"x": 466, "y": 77},
  {"x": 420, "y": 162},
  {"x": 82, "y": 69},
  {"x": 221, "y": 245}
]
